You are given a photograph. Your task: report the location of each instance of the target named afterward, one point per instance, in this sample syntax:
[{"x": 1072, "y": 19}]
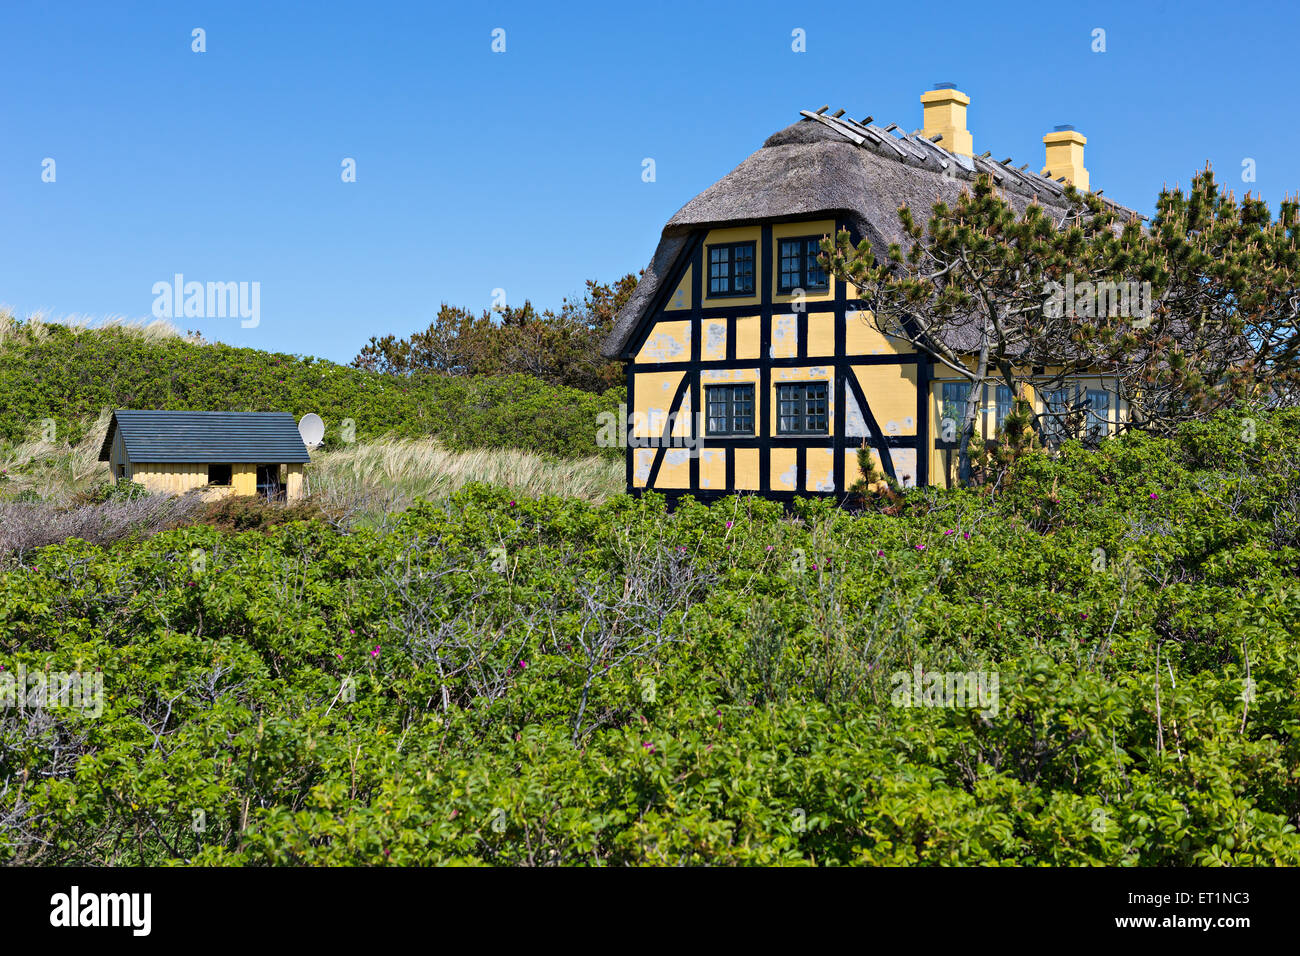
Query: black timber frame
[{"x": 844, "y": 380}]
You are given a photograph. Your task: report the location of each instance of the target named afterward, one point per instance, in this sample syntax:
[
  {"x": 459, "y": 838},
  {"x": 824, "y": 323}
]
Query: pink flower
[
  {"x": 769, "y": 547},
  {"x": 880, "y": 554},
  {"x": 375, "y": 652},
  {"x": 1154, "y": 496},
  {"x": 950, "y": 531},
  {"x": 523, "y": 665},
  {"x": 920, "y": 547},
  {"x": 966, "y": 535},
  {"x": 728, "y": 525}
]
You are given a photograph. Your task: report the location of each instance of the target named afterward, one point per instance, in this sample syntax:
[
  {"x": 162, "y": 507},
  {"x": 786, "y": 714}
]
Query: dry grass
[
  {"x": 36, "y": 327},
  {"x": 54, "y": 471},
  {"x": 359, "y": 484},
  {"x": 382, "y": 477}
]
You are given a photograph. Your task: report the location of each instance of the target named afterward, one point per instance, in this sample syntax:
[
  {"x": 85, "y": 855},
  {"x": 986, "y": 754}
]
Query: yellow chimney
[
  {"x": 945, "y": 114},
  {"x": 1065, "y": 156}
]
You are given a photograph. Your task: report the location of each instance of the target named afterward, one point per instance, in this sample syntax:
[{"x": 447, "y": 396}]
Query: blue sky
[{"x": 522, "y": 170}]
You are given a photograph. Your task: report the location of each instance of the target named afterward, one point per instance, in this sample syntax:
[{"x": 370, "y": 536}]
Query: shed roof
[
  {"x": 221, "y": 437},
  {"x": 827, "y": 166}
]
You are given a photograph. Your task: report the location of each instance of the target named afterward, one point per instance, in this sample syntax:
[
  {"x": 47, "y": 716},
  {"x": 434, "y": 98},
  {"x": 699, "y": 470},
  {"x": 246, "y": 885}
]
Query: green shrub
[
  {"x": 507, "y": 680},
  {"x": 69, "y": 375}
]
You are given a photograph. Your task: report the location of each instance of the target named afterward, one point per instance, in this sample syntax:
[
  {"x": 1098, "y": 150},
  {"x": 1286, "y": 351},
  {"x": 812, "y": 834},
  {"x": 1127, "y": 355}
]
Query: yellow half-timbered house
[{"x": 750, "y": 369}]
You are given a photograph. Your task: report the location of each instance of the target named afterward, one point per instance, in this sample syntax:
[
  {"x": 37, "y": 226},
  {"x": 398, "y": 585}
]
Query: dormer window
[
  {"x": 797, "y": 266},
  {"x": 731, "y": 269}
]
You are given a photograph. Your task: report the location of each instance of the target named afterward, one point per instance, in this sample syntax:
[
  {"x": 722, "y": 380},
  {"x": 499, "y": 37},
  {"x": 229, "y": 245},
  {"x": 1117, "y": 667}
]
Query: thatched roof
[{"x": 827, "y": 167}]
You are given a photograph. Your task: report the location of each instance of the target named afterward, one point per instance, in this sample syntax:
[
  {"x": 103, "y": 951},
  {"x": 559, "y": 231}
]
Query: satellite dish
[{"x": 312, "y": 429}]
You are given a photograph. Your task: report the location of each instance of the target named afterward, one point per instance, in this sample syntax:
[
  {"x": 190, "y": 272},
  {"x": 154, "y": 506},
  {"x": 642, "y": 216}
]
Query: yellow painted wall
[
  {"x": 181, "y": 477},
  {"x": 747, "y": 466},
  {"x": 749, "y": 337},
  {"x": 820, "y": 470},
  {"x": 785, "y": 335},
  {"x": 890, "y": 390},
  {"x": 293, "y": 482},
  {"x": 668, "y": 341},
  {"x": 861, "y": 337},
  {"x": 174, "y": 477},
  {"x": 653, "y": 397},
  {"x": 244, "y": 479},
  {"x": 713, "y": 469},
  {"x": 729, "y": 376},
  {"x": 784, "y": 469},
  {"x": 643, "y": 460},
  {"x": 713, "y": 340},
  {"x": 675, "y": 472},
  {"x": 821, "y": 334},
  {"x": 681, "y": 297}
]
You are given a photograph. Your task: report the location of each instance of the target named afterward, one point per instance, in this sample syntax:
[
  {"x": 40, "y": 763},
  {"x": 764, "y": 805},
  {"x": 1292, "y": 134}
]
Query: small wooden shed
[{"x": 223, "y": 453}]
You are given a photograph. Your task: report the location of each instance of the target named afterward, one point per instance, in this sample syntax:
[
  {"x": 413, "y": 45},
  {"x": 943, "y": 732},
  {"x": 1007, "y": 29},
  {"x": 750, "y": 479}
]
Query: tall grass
[
  {"x": 387, "y": 476},
  {"x": 35, "y": 328},
  {"x": 360, "y": 483},
  {"x": 53, "y": 470}
]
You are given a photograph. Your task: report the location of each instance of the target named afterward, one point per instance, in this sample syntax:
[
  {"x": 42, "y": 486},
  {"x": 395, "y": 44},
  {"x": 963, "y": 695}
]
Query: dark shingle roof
[
  {"x": 825, "y": 166},
  {"x": 224, "y": 437}
]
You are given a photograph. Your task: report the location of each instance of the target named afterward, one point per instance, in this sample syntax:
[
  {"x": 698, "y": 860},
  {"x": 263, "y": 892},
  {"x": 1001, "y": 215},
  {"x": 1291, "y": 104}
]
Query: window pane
[
  {"x": 743, "y": 269},
  {"x": 816, "y": 274},
  {"x": 1098, "y": 412},
  {"x": 791, "y": 265},
  {"x": 719, "y": 270},
  {"x": 1003, "y": 404},
  {"x": 954, "y": 399}
]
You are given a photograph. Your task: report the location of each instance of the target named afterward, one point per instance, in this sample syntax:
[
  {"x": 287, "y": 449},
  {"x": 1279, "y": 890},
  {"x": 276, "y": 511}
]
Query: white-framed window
[
  {"x": 1099, "y": 418},
  {"x": 1001, "y": 405}
]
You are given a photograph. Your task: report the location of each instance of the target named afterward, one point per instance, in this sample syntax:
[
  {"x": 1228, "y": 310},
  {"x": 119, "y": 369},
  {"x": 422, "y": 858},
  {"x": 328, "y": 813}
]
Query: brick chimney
[
  {"x": 945, "y": 114},
  {"x": 1065, "y": 156}
]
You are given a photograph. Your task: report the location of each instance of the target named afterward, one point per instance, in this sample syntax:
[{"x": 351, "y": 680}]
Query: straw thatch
[{"x": 826, "y": 168}]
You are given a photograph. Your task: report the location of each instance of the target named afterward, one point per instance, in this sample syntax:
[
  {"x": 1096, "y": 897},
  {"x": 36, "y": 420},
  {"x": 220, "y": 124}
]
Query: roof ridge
[{"x": 1030, "y": 180}]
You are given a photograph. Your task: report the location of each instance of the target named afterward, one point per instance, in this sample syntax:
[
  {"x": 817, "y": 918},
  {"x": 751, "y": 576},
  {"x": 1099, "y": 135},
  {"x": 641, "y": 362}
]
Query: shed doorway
[{"x": 269, "y": 486}]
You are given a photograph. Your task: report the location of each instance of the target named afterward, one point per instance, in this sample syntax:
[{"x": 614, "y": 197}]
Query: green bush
[
  {"x": 70, "y": 375},
  {"x": 544, "y": 681}
]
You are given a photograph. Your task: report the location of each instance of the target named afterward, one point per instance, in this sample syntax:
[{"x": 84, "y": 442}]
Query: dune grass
[
  {"x": 359, "y": 483},
  {"x": 382, "y": 477},
  {"x": 52, "y": 470},
  {"x": 35, "y": 328}
]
